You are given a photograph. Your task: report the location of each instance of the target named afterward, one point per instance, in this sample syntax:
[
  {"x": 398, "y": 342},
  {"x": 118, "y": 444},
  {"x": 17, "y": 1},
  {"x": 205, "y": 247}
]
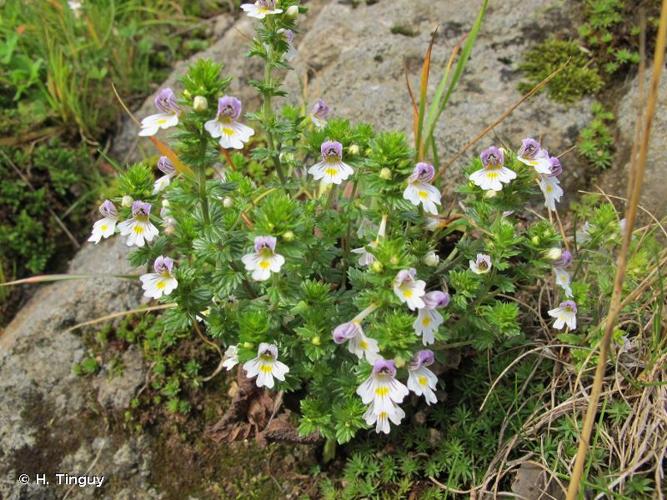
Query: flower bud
[
  {"x": 316, "y": 340},
  {"x": 169, "y": 230},
  {"x": 127, "y": 201},
  {"x": 293, "y": 10},
  {"x": 286, "y": 157},
  {"x": 187, "y": 94},
  {"x": 227, "y": 202},
  {"x": 431, "y": 259},
  {"x": 554, "y": 253},
  {"x": 377, "y": 267},
  {"x": 490, "y": 194},
  {"x": 394, "y": 260},
  {"x": 248, "y": 345},
  {"x": 535, "y": 240},
  {"x": 399, "y": 362},
  {"x": 200, "y": 103},
  {"x": 288, "y": 236},
  {"x": 385, "y": 174},
  {"x": 165, "y": 203},
  {"x": 354, "y": 150}
]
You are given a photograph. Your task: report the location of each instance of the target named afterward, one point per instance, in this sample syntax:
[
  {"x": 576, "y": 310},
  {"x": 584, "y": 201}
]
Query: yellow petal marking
[
  {"x": 363, "y": 345},
  {"x": 265, "y": 368},
  {"x": 423, "y": 195},
  {"x": 426, "y": 321},
  {"x": 422, "y": 380},
  {"x": 160, "y": 285},
  {"x": 138, "y": 230},
  {"x": 264, "y": 264},
  {"x": 331, "y": 172},
  {"x": 104, "y": 227},
  {"x": 407, "y": 294},
  {"x": 382, "y": 391},
  {"x": 228, "y": 131}
]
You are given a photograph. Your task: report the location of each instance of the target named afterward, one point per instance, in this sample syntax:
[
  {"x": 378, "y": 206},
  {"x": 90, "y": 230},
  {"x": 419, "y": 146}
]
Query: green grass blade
[{"x": 440, "y": 103}]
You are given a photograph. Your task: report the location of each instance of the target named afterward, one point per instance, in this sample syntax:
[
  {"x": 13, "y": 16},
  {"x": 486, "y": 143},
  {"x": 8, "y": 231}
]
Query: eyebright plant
[{"x": 319, "y": 254}]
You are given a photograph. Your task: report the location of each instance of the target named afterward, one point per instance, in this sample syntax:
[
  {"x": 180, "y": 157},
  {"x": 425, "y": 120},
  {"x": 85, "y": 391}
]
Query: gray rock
[
  {"x": 356, "y": 64},
  {"x": 614, "y": 181},
  {"x": 115, "y": 393},
  {"x": 49, "y": 421}
]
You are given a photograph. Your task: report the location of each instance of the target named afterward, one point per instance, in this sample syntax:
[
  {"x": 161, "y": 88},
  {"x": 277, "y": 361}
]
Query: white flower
[
  {"x": 428, "y": 319},
  {"x": 481, "y": 265},
  {"x": 365, "y": 257},
  {"x": 319, "y": 114},
  {"x": 266, "y": 366},
  {"x": 75, "y": 7},
  {"x": 427, "y": 323},
  {"x": 532, "y": 154},
  {"x": 381, "y": 418},
  {"x": 421, "y": 380},
  {"x": 106, "y": 226},
  {"x": 583, "y": 234},
  {"x": 420, "y": 191},
  {"x": 165, "y": 102},
  {"x": 357, "y": 342},
  {"x": 167, "y": 168},
  {"x": 331, "y": 170},
  {"x": 552, "y": 191},
  {"x": 231, "y": 357},
  {"x": 493, "y": 174},
  {"x": 408, "y": 289},
  {"x": 381, "y": 388},
  {"x": 162, "y": 281},
  {"x": 264, "y": 260},
  {"x": 565, "y": 314},
  {"x": 563, "y": 280},
  {"x": 261, "y": 8},
  {"x": 232, "y": 134},
  {"x": 139, "y": 228}
]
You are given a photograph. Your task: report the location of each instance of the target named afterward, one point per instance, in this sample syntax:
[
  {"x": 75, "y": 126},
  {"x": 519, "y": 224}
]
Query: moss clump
[
  {"x": 596, "y": 141},
  {"x": 577, "y": 79}
]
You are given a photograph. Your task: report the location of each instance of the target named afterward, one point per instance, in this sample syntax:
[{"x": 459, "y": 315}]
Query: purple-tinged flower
[
  {"x": 564, "y": 260},
  {"x": 420, "y": 191},
  {"x": 492, "y": 157},
  {"x": 264, "y": 260},
  {"x": 165, "y": 166},
  {"x": 289, "y": 38},
  {"x": 358, "y": 343},
  {"x": 565, "y": 314},
  {"x": 421, "y": 380},
  {"x": 106, "y": 226},
  {"x": 428, "y": 319},
  {"x": 266, "y": 366},
  {"x": 225, "y": 126},
  {"x": 319, "y": 113},
  {"x": 139, "y": 228},
  {"x": 331, "y": 170},
  {"x": 481, "y": 265},
  {"x": 165, "y": 102},
  {"x": 408, "y": 289},
  {"x": 494, "y": 174},
  {"x": 436, "y": 300},
  {"x": 556, "y": 167},
  {"x": 532, "y": 154},
  {"x": 261, "y": 8},
  {"x": 381, "y": 386},
  {"x": 162, "y": 281}
]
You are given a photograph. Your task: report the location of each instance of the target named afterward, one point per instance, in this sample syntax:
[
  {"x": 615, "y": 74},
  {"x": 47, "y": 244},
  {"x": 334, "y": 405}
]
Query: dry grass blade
[
  {"x": 413, "y": 101},
  {"x": 638, "y": 167},
  {"x": 423, "y": 91},
  {"x": 121, "y": 314},
  {"x": 49, "y": 278},
  {"x": 500, "y": 119}
]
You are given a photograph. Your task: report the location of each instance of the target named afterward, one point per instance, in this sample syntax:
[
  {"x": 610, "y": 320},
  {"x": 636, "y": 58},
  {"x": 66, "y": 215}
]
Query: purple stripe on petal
[
  {"x": 384, "y": 366},
  {"x": 262, "y": 242},
  {"x": 165, "y": 101},
  {"x": 108, "y": 209},
  {"x": 165, "y": 166},
  {"x": 492, "y": 157},
  {"x": 422, "y": 358},
  {"x": 529, "y": 148},
  {"x": 139, "y": 208},
  {"x": 331, "y": 150},
  {"x": 229, "y": 107}
]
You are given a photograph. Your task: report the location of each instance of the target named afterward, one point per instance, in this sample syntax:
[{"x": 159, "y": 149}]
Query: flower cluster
[{"x": 267, "y": 237}]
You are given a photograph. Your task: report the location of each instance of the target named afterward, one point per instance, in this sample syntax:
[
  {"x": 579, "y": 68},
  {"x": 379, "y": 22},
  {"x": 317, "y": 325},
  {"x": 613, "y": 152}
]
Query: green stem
[
  {"x": 202, "y": 183},
  {"x": 332, "y": 195},
  {"x": 267, "y": 110}
]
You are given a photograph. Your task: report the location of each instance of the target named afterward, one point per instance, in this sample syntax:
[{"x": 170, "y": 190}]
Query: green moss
[
  {"x": 596, "y": 142},
  {"x": 578, "y": 78},
  {"x": 399, "y": 29}
]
